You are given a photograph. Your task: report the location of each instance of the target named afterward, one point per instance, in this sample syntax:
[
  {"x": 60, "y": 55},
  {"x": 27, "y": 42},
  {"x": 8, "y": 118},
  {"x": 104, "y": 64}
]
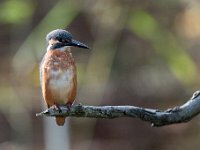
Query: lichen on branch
[{"x": 178, "y": 114}]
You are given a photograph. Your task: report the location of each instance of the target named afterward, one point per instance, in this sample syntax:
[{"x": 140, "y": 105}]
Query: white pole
[{"x": 56, "y": 137}]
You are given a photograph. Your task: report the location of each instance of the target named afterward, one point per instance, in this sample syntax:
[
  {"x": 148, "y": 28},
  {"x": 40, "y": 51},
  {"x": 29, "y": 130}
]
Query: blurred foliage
[
  {"x": 16, "y": 11},
  {"x": 166, "y": 45}
]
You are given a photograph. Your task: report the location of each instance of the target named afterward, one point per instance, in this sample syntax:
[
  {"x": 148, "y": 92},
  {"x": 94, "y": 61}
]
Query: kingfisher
[{"x": 58, "y": 76}]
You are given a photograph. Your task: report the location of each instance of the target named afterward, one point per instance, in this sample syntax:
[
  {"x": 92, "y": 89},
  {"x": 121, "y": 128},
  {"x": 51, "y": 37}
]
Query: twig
[{"x": 157, "y": 118}]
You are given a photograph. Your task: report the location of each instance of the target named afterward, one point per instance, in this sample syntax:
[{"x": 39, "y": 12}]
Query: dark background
[{"x": 143, "y": 53}]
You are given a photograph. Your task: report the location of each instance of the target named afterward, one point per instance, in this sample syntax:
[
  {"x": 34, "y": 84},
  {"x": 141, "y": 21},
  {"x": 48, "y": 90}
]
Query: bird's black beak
[{"x": 78, "y": 44}]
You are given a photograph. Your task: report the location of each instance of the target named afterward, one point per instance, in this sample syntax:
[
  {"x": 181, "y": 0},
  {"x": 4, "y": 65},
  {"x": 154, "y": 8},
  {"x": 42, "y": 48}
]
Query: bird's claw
[{"x": 56, "y": 107}]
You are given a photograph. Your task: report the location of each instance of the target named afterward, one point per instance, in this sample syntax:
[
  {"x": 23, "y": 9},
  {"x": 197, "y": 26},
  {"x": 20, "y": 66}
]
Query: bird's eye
[
  {"x": 65, "y": 41},
  {"x": 59, "y": 39}
]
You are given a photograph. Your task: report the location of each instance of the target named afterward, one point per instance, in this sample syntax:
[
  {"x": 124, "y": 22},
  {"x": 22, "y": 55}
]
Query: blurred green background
[{"x": 143, "y": 53}]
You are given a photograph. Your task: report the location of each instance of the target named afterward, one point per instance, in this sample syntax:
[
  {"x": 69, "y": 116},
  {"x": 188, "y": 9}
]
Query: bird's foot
[
  {"x": 56, "y": 107},
  {"x": 68, "y": 105}
]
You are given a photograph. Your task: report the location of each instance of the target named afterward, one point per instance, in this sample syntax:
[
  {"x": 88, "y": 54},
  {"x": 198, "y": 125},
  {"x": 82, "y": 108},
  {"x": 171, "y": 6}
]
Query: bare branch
[{"x": 157, "y": 118}]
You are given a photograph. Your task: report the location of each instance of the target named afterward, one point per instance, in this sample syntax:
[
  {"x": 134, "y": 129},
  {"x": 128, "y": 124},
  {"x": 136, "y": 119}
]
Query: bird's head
[{"x": 62, "y": 39}]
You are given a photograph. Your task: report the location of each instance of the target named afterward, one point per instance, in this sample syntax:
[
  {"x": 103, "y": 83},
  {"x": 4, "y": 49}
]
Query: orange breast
[{"x": 58, "y": 77}]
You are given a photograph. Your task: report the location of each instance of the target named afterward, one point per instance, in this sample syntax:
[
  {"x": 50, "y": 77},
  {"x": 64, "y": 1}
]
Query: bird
[{"x": 58, "y": 75}]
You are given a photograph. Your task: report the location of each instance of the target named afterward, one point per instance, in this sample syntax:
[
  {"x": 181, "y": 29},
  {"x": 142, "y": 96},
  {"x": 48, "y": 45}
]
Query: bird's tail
[{"x": 60, "y": 121}]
